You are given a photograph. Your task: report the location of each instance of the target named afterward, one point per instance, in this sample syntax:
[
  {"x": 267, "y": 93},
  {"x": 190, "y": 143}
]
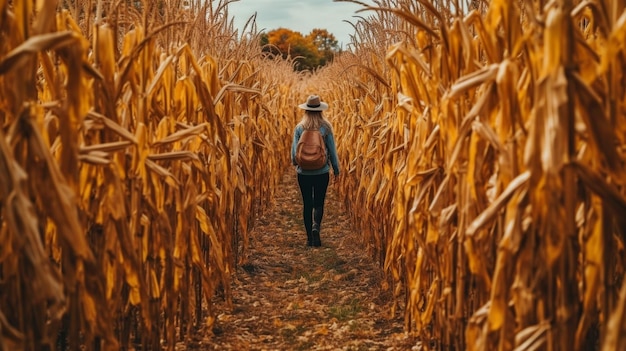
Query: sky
[{"x": 298, "y": 15}]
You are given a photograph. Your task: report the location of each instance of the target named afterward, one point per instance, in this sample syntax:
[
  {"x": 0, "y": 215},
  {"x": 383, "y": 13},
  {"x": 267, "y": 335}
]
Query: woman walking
[{"x": 314, "y": 182}]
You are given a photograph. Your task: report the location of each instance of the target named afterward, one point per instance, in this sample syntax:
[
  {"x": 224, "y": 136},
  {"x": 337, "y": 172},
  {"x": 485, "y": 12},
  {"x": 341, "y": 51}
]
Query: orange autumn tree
[{"x": 308, "y": 52}]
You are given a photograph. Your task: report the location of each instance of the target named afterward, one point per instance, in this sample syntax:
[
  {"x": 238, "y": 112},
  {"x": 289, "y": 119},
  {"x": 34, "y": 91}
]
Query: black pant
[{"x": 313, "y": 189}]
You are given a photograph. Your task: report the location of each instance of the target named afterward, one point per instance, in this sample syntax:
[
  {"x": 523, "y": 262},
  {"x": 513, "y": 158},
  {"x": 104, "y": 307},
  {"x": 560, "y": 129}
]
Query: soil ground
[{"x": 289, "y": 296}]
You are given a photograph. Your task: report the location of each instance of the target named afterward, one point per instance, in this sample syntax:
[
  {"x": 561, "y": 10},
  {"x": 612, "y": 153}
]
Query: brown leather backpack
[{"x": 311, "y": 150}]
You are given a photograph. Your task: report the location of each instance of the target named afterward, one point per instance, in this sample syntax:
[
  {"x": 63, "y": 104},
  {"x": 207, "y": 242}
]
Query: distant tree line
[{"x": 308, "y": 52}]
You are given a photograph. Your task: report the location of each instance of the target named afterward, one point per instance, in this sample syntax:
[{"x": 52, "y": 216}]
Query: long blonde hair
[{"x": 314, "y": 120}]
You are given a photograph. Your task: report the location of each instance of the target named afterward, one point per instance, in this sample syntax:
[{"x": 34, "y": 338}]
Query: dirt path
[{"x": 293, "y": 297}]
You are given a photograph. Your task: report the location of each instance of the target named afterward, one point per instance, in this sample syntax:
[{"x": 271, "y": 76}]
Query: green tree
[{"x": 326, "y": 44}]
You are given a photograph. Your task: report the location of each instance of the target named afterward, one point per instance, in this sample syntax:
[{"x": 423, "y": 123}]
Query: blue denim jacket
[{"x": 331, "y": 152}]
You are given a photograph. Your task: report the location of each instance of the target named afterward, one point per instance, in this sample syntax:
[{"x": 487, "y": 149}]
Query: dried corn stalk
[
  {"x": 132, "y": 165},
  {"x": 500, "y": 193}
]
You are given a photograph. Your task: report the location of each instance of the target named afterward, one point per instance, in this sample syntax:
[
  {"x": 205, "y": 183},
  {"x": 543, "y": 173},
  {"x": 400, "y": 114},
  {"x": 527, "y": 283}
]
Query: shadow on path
[{"x": 292, "y": 297}]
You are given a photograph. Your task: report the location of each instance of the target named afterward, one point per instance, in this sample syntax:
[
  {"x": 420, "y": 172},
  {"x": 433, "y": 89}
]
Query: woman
[{"x": 314, "y": 183}]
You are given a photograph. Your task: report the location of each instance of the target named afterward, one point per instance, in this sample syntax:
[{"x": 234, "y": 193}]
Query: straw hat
[{"x": 313, "y": 103}]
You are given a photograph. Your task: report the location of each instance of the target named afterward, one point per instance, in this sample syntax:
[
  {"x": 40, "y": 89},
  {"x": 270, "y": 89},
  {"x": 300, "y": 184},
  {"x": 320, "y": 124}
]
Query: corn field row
[
  {"x": 482, "y": 141},
  {"x": 497, "y": 211},
  {"x": 132, "y": 168}
]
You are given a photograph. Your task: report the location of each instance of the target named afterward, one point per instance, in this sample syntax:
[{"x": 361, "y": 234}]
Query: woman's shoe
[{"x": 315, "y": 234}]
